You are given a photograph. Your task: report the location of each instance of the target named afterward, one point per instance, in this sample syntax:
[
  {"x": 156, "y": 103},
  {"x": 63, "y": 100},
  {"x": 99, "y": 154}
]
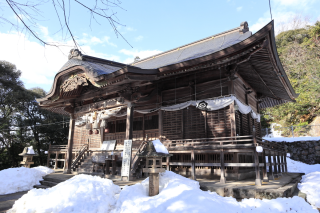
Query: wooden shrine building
[{"x": 202, "y": 100}]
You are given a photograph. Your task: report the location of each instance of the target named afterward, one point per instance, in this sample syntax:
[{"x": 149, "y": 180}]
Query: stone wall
[{"x": 304, "y": 151}]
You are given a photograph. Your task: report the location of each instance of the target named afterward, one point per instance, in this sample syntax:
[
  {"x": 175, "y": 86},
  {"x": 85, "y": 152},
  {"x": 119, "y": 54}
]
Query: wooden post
[
  {"x": 233, "y": 120},
  {"x": 160, "y": 123},
  {"x": 256, "y": 157},
  {"x": 168, "y": 163},
  {"x": 270, "y": 167},
  {"x": 282, "y": 162},
  {"x": 278, "y": 163},
  {"x": 56, "y": 161},
  {"x": 193, "y": 170},
  {"x": 129, "y": 123},
  {"x": 48, "y": 158},
  {"x": 70, "y": 142},
  {"x": 236, "y": 160},
  {"x": 65, "y": 161},
  {"x": 222, "y": 175},
  {"x": 143, "y": 127},
  {"x": 114, "y": 164},
  {"x": 264, "y": 171},
  {"x": 108, "y": 166},
  {"x": 285, "y": 162},
  {"x": 275, "y": 169},
  {"x": 205, "y": 124}
]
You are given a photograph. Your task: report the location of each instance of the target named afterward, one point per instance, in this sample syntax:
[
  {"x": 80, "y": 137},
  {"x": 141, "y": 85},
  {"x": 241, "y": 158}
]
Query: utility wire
[{"x": 270, "y": 10}]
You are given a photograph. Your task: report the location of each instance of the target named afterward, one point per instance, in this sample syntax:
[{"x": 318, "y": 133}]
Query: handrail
[
  {"x": 78, "y": 157},
  {"x": 135, "y": 159}
]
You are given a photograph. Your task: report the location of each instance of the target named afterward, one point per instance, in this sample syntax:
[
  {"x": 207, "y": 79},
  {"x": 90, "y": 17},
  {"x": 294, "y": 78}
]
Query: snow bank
[
  {"x": 82, "y": 193},
  {"x": 179, "y": 194},
  {"x": 21, "y": 179},
  {"x": 297, "y": 166},
  {"x": 43, "y": 169},
  {"x": 295, "y": 139},
  {"x": 159, "y": 146},
  {"x": 311, "y": 186},
  {"x": 310, "y": 183}
]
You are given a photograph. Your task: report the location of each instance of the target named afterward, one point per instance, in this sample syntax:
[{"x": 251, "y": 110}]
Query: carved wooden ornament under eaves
[{"x": 73, "y": 84}]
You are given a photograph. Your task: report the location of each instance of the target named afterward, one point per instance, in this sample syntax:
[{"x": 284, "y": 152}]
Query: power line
[{"x": 270, "y": 10}]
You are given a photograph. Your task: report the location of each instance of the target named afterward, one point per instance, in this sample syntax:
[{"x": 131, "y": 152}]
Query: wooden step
[
  {"x": 48, "y": 183},
  {"x": 41, "y": 187}
]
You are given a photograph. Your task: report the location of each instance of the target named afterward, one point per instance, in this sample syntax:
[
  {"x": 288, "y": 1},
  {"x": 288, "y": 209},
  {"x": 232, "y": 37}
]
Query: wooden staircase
[
  {"x": 52, "y": 180},
  {"x": 138, "y": 163}
]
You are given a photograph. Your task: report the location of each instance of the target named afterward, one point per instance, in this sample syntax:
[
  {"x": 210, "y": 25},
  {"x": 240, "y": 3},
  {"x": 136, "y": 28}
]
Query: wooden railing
[
  {"x": 198, "y": 142},
  {"x": 79, "y": 155},
  {"x": 136, "y": 159}
]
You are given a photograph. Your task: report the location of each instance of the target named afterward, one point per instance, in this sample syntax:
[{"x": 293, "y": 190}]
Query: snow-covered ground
[
  {"x": 310, "y": 183},
  {"x": 21, "y": 179},
  {"x": 84, "y": 193},
  {"x": 295, "y": 139}
]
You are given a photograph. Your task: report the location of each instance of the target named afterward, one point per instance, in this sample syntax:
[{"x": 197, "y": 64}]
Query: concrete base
[{"x": 283, "y": 187}]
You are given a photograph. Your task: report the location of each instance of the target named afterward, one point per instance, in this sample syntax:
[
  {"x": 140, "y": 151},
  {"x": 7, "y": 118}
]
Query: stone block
[
  {"x": 317, "y": 148},
  {"x": 318, "y": 153},
  {"x": 304, "y": 152}
]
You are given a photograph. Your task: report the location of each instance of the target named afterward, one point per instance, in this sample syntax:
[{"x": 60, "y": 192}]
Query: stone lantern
[
  {"x": 27, "y": 157},
  {"x": 153, "y": 166}
]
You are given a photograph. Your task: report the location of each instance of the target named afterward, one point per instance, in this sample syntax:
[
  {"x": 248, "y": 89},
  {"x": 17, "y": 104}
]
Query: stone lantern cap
[
  {"x": 150, "y": 151},
  {"x": 28, "y": 151}
]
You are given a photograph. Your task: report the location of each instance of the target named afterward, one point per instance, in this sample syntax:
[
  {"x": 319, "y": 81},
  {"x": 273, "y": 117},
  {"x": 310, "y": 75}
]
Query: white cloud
[
  {"x": 294, "y": 2},
  {"x": 285, "y": 15},
  {"x": 130, "y": 29},
  {"x": 141, "y": 53},
  {"x": 138, "y": 38},
  {"x": 239, "y": 8},
  {"x": 37, "y": 63}
]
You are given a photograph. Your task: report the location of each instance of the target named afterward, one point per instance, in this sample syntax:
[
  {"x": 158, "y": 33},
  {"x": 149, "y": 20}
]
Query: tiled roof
[{"x": 194, "y": 50}]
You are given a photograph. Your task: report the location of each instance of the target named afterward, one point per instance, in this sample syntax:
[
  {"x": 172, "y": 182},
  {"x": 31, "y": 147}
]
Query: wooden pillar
[
  {"x": 114, "y": 164},
  {"x": 264, "y": 171},
  {"x": 193, "y": 170},
  {"x": 271, "y": 177},
  {"x": 285, "y": 162},
  {"x": 48, "y": 157},
  {"x": 275, "y": 169},
  {"x": 160, "y": 126},
  {"x": 65, "y": 161},
  {"x": 168, "y": 163},
  {"x": 222, "y": 169},
  {"x": 56, "y": 161},
  {"x": 108, "y": 167},
  {"x": 70, "y": 142},
  {"x": 233, "y": 120},
  {"x": 143, "y": 128},
  {"x": 205, "y": 124},
  {"x": 235, "y": 160},
  {"x": 129, "y": 122},
  {"x": 278, "y": 163},
  {"x": 256, "y": 158},
  {"x": 282, "y": 162},
  {"x": 257, "y": 169}
]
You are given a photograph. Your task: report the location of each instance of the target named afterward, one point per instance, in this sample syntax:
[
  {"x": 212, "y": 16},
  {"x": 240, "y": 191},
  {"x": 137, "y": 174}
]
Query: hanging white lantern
[{"x": 259, "y": 149}]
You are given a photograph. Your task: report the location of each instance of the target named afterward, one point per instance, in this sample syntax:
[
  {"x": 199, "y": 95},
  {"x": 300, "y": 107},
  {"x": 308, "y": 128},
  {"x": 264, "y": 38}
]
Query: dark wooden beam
[{"x": 129, "y": 121}]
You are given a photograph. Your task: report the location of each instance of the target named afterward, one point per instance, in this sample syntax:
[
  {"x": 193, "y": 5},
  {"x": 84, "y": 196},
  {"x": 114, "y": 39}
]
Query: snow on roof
[{"x": 159, "y": 146}]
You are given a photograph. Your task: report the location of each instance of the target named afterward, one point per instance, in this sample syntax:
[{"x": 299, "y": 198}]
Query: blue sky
[{"x": 150, "y": 27}]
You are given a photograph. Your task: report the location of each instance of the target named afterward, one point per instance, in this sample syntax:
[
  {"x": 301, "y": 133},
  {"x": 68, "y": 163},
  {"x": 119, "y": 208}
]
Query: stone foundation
[{"x": 304, "y": 151}]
